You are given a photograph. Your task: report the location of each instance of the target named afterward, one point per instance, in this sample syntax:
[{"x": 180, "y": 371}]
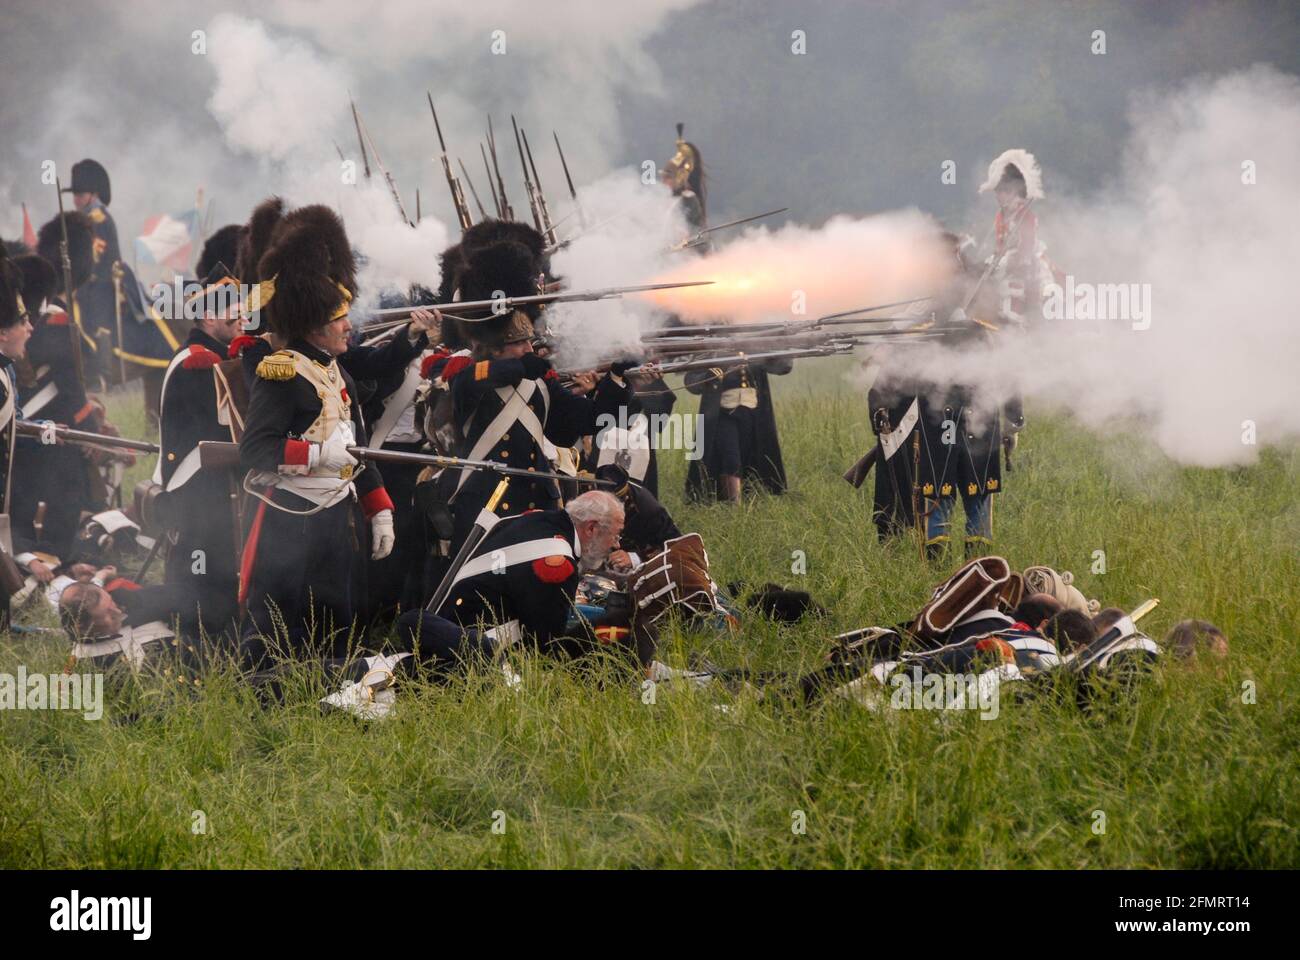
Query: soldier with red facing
[
  {"x": 297, "y": 575},
  {"x": 1019, "y": 265},
  {"x": 195, "y": 503}
]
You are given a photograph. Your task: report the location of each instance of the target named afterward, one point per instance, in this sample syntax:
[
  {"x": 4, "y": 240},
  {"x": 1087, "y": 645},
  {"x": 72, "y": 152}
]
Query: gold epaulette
[
  {"x": 278, "y": 366},
  {"x": 96, "y": 215}
]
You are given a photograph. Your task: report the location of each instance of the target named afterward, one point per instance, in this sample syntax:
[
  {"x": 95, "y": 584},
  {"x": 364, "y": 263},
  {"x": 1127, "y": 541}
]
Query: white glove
[
  {"x": 382, "y": 536},
  {"x": 332, "y": 455}
]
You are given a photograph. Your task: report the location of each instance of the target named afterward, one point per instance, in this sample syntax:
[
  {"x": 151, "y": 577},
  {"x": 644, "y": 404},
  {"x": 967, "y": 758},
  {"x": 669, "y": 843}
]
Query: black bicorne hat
[{"x": 89, "y": 176}]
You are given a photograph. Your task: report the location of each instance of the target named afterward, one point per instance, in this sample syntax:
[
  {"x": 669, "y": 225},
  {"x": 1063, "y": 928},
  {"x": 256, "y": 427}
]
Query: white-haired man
[{"x": 519, "y": 583}]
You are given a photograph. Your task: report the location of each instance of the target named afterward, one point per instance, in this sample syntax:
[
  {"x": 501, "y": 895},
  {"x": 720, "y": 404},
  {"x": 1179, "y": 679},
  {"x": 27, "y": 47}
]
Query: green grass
[{"x": 587, "y": 775}]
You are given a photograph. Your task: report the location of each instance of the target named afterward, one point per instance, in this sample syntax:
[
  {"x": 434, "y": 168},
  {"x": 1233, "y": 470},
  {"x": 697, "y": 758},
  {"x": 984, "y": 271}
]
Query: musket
[
  {"x": 486, "y": 520},
  {"x": 496, "y": 201},
  {"x": 118, "y": 273},
  {"x": 857, "y": 473},
  {"x": 541, "y": 194},
  {"x": 994, "y": 261},
  {"x": 529, "y": 190},
  {"x": 708, "y": 363},
  {"x": 42, "y": 429},
  {"x": 361, "y": 140},
  {"x": 221, "y": 453},
  {"x": 702, "y": 236},
  {"x": 1124, "y": 627},
  {"x": 418, "y": 215},
  {"x": 479, "y": 203},
  {"x": 395, "y": 316},
  {"x": 782, "y": 326},
  {"x": 573, "y": 194},
  {"x": 388, "y": 177},
  {"x": 679, "y": 345},
  {"x": 74, "y": 321},
  {"x": 457, "y": 193},
  {"x": 507, "y": 212}
]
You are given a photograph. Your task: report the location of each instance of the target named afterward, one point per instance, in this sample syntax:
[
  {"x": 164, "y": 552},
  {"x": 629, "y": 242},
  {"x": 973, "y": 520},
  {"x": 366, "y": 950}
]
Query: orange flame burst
[{"x": 797, "y": 271}]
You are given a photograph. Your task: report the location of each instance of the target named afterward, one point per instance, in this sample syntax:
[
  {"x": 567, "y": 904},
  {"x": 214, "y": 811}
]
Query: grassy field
[{"x": 575, "y": 770}]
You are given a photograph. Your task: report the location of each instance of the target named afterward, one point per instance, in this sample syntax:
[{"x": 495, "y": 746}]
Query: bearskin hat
[
  {"x": 490, "y": 231},
  {"x": 10, "y": 285},
  {"x": 81, "y": 247},
  {"x": 508, "y": 267},
  {"x": 307, "y": 294},
  {"x": 256, "y": 238},
  {"x": 89, "y": 176},
  {"x": 307, "y": 253},
  {"x": 221, "y": 247},
  {"x": 39, "y": 280}
]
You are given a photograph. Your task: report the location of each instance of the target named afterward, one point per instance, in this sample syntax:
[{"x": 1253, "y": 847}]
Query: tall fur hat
[
  {"x": 10, "y": 286},
  {"x": 302, "y": 260},
  {"x": 490, "y": 231},
  {"x": 1015, "y": 165},
  {"x": 38, "y": 278},
  {"x": 255, "y": 238},
  {"x": 81, "y": 247},
  {"x": 221, "y": 247},
  {"x": 327, "y": 224},
  {"x": 510, "y": 268}
]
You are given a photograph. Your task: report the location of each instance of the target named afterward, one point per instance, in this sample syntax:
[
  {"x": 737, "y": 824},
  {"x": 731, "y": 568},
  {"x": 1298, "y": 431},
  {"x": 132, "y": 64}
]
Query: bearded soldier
[
  {"x": 297, "y": 571},
  {"x": 197, "y": 504}
]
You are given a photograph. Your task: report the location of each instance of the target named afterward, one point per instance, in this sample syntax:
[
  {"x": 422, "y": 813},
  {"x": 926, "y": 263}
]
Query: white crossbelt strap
[
  {"x": 6, "y": 405},
  {"x": 42, "y": 398},
  {"x": 514, "y": 554},
  {"x": 890, "y": 442},
  {"x": 131, "y": 643},
  {"x": 515, "y": 409},
  {"x": 397, "y": 402}
]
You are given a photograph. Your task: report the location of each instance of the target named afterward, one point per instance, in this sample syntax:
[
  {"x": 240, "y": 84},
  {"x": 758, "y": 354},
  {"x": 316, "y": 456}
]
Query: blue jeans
[{"x": 979, "y": 517}]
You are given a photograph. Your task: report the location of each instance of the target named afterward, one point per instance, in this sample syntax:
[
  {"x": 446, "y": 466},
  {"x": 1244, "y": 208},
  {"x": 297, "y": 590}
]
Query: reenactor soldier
[
  {"x": 61, "y": 477},
  {"x": 739, "y": 426},
  {"x": 941, "y": 440},
  {"x": 1020, "y": 268},
  {"x": 15, "y": 331},
  {"x": 198, "y": 505},
  {"x": 297, "y": 572},
  {"x": 684, "y": 175},
  {"x": 519, "y": 583},
  {"x": 110, "y": 309},
  {"x": 507, "y": 402}
]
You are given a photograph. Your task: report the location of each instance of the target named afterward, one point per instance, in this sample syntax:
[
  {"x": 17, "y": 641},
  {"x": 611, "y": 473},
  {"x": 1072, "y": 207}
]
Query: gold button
[
  {"x": 505, "y": 453},
  {"x": 505, "y": 438},
  {"x": 505, "y": 506},
  {"x": 532, "y": 456},
  {"x": 532, "y": 506},
  {"x": 459, "y": 601},
  {"x": 171, "y": 456}
]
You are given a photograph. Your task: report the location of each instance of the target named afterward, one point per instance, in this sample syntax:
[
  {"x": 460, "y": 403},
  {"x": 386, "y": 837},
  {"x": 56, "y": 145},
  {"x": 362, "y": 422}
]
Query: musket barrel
[{"x": 30, "y": 428}]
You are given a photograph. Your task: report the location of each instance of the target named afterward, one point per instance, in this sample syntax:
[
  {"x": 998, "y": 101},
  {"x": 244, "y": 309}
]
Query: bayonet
[
  {"x": 573, "y": 194},
  {"x": 457, "y": 192},
  {"x": 549, "y": 228}
]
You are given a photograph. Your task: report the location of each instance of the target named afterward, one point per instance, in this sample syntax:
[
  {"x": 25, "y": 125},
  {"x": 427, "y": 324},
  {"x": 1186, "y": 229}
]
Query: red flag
[{"x": 29, "y": 235}]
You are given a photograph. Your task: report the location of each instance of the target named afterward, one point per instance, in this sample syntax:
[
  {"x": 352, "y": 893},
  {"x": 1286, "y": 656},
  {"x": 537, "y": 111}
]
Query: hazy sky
[{"x": 862, "y": 121}]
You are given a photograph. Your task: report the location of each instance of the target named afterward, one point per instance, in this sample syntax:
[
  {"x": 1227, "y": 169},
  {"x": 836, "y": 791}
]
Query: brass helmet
[{"x": 677, "y": 172}]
